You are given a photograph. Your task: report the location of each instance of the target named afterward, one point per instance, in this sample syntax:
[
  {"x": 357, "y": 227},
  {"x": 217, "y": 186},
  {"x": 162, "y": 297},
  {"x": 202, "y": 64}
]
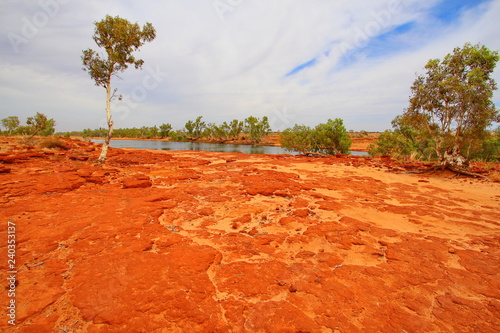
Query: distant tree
[
  {"x": 489, "y": 149},
  {"x": 119, "y": 38},
  {"x": 235, "y": 128},
  {"x": 153, "y": 132},
  {"x": 330, "y": 138},
  {"x": 179, "y": 135},
  {"x": 165, "y": 130},
  {"x": 24, "y": 130},
  {"x": 11, "y": 124},
  {"x": 40, "y": 124},
  {"x": 195, "y": 128},
  {"x": 217, "y": 132},
  {"x": 298, "y": 138},
  {"x": 257, "y": 128},
  {"x": 451, "y": 105},
  {"x": 403, "y": 142}
]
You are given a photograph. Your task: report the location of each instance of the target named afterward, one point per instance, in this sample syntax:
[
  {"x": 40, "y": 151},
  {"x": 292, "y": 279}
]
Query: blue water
[{"x": 197, "y": 146}]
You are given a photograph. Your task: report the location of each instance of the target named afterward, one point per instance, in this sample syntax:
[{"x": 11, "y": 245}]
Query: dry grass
[
  {"x": 53, "y": 143},
  {"x": 495, "y": 176}
]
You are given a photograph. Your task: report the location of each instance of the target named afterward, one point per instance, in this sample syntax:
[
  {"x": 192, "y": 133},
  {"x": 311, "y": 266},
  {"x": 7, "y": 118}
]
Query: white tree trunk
[{"x": 105, "y": 146}]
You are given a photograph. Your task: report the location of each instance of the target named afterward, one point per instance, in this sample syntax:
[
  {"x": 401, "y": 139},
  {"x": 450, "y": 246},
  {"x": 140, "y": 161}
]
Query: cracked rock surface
[{"x": 157, "y": 241}]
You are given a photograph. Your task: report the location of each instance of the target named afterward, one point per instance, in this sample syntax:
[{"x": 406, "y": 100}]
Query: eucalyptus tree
[
  {"x": 451, "y": 104},
  {"x": 195, "y": 128},
  {"x": 40, "y": 124},
  {"x": 328, "y": 138},
  {"x": 257, "y": 128},
  {"x": 235, "y": 127},
  {"x": 119, "y": 38},
  {"x": 11, "y": 124},
  {"x": 165, "y": 130}
]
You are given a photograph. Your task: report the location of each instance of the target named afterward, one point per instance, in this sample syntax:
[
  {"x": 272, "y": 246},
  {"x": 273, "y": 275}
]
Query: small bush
[
  {"x": 53, "y": 144},
  {"x": 179, "y": 136},
  {"x": 28, "y": 142},
  {"x": 330, "y": 138}
]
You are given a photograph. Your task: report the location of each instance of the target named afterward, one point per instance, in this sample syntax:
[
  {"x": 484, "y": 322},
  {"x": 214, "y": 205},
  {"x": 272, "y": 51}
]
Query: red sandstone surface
[{"x": 158, "y": 241}]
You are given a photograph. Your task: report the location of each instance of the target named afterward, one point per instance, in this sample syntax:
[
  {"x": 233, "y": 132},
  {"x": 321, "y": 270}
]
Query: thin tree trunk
[{"x": 105, "y": 146}]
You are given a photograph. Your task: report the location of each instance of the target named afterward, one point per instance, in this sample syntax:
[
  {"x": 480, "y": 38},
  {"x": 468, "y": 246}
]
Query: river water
[{"x": 198, "y": 146}]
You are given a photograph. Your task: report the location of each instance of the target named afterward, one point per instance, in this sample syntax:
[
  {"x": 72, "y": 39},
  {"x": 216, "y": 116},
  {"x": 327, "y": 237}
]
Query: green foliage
[
  {"x": 119, "y": 38},
  {"x": 394, "y": 143},
  {"x": 165, "y": 130},
  {"x": 40, "y": 124},
  {"x": 489, "y": 149},
  {"x": 97, "y": 133},
  {"x": 195, "y": 128},
  {"x": 403, "y": 142},
  {"x": 37, "y": 125},
  {"x": 23, "y": 130},
  {"x": 451, "y": 105},
  {"x": 217, "y": 133},
  {"x": 330, "y": 138},
  {"x": 234, "y": 128},
  {"x": 179, "y": 135},
  {"x": 257, "y": 128},
  {"x": 225, "y": 131},
  {"x": 298, "y": 138},
  {"x": 11, "y": 124},
  {"x": 192, "y": 130}
]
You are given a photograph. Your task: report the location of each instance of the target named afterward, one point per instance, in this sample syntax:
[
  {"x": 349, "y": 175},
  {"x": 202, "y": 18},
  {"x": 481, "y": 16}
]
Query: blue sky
[{"x": 294, "y": 61}]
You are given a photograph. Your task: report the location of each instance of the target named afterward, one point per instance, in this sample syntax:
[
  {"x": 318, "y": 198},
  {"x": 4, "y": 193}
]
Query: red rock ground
[{"x": 159, "y": 241}]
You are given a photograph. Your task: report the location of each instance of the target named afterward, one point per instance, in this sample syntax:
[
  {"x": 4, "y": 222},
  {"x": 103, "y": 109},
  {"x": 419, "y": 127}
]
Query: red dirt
[
  {"x": 363, "y": 143},
  {"x": 158, "y": 241}
]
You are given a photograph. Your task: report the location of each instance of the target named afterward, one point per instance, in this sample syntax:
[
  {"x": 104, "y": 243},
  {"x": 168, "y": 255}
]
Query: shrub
[
  {"x": 330, "y": 138},
  {"x": 298, "y": 139},
  {"x": 257, "y": 128},
  {"x": 179, "y": 135},
  {"x": 53, "y": 143}
]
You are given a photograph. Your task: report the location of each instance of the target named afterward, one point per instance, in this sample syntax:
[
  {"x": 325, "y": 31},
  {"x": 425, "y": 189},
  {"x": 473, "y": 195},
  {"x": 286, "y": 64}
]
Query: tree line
[
  {"x": 252, "y": 128},
  {"x": 36, "y": 125},
  {"x": 328, "y": 138}
]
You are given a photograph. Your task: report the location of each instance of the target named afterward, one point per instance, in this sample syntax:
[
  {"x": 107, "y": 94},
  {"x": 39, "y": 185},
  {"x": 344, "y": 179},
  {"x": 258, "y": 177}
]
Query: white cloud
[{"x": 236, "y": 66}]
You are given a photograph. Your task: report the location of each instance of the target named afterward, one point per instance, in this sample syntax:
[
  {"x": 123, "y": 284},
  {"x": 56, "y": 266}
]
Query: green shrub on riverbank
[{"x": 330, "y": 138}]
